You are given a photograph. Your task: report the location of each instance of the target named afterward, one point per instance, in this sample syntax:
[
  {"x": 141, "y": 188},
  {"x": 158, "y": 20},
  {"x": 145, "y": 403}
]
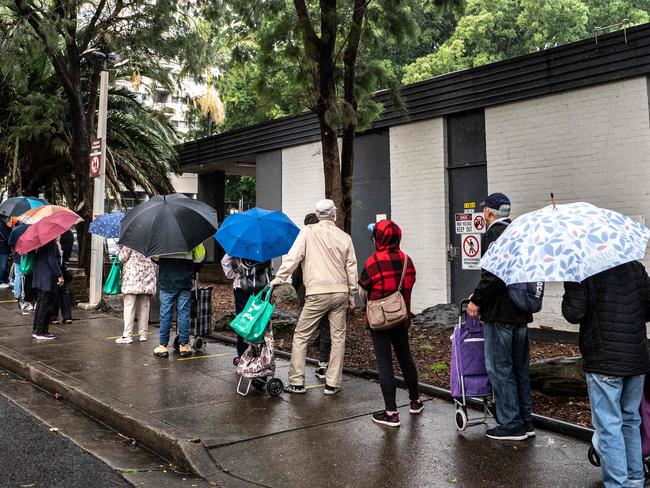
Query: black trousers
[
  {"x": 398, "y": 338},
  {"x": 43, "y": 313},
  {"x": 241, "y": 299},
  {"x": 63, "y": 302}
]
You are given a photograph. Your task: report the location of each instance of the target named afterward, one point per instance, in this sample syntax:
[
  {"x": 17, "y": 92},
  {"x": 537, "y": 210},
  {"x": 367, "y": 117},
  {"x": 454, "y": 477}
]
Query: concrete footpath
[{"x": 188, "y": 411}]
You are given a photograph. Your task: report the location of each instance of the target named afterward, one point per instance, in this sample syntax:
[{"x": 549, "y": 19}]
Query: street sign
[
  {"x": 95, "y": 157},
  {"x": 470, "y": 223},
  {"x": 471, "y": 251}
]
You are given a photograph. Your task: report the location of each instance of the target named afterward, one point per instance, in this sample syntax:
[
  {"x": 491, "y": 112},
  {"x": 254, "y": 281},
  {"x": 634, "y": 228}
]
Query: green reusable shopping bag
[
  {"x": 113, "y": 285},
  {"x": 251, "y": 323},
  {"x": 27, "y": 263}
]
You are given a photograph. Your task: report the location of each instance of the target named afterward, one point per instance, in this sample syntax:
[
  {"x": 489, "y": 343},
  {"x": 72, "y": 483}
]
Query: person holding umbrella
[
  {"x": 4, "y": 254},
  {"x": 171, "y": 228},
  {"x": 44, "y": 236},
  {"x": 47, "y": 278}
]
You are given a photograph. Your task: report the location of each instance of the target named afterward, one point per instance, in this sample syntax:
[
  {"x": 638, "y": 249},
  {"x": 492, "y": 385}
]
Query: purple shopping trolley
[{"x": 468, "y": 374}]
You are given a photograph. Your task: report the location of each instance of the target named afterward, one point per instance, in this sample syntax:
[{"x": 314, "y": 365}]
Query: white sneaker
[
  {"x": 4, "y": 285},
  {"x": 124, "y": 340},
  {"x": 143, "y": 338},
  {"x": 30, "y": 307},
  {"x": 23, "y": 305}
]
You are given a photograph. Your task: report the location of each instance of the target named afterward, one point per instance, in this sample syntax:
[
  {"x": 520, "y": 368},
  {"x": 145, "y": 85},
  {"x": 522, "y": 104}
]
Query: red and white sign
[
  {"x": 471, "y": 251},
  {"x": 95, "y": 158},
  {"x": 470, "y": 223}
]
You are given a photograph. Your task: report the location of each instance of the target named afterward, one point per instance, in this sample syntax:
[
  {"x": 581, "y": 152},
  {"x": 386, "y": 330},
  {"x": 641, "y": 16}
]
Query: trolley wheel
[
  {"x": 177, "y": 343},
  {"x": 274, "y": 387},
  {"x": 199, "y": 344},
  {"x": 593, "y": 456},
  {"x": 258, "y": 383},
  {"x": 461, "y": 419}
]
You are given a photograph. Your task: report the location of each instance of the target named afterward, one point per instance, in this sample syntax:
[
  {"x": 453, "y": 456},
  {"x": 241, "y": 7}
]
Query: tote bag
[
  {"x": 27, "y": 263},
  {"x": 113, "y": 285},
  {"x": 251, "y": 323}
]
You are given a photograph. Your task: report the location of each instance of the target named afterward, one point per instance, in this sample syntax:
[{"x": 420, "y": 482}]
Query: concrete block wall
[
  {"x": 419, "y": 204},
  {"x": 591, "y": 145},
  {"x": 303, "y": 181}
]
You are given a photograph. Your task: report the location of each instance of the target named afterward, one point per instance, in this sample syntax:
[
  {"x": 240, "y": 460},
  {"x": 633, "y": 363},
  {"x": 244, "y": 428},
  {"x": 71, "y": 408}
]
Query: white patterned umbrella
[{"x": 568, "y": 242}]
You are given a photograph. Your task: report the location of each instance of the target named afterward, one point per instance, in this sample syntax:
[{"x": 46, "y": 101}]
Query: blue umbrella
[
  {"x": 257, "y": 234},
  {"x": 107, "y": 225}
]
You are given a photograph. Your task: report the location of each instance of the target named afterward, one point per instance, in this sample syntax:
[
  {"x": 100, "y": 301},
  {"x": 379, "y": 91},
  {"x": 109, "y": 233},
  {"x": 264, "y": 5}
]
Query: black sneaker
[
  {"x": 501, "y": 434},
  {"x": 385, "y": 419},
  {"x": 530, "y": 430},
  {"x": 295, "y": 389},
  {"x": 44, "y": 337},
  {"x": 321, "y": 371},
  {"x": 331, "y": 390}
]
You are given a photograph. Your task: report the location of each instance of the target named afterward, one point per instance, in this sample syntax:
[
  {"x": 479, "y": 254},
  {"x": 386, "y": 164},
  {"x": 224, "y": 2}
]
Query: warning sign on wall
[
  {"x": 471, "y": 251},
  {"x": 470, "y": 223}
]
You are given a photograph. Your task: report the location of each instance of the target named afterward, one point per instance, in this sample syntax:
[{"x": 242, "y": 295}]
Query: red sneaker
[{"x": 416, "y": 407}]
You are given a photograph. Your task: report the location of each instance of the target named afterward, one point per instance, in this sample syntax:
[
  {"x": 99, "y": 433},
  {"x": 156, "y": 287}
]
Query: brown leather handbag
[{"x": 389, "y": 312}]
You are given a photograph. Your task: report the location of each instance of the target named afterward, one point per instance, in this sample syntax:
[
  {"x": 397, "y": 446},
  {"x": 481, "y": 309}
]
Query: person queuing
[
  {"x": 379, "y": 279},
  {"x": 4, "y": 254},
  {"x": 612, "y": 309},
  {"x": 138, "y": 286},
  {"x": 176, "y": 278},
  {"x": 20, "y": 281},
  {"x": 324, "y": 341},
  {"x": 330, "y": 275},
  {"x": 64, "y": 302},
  {"x": 248, "y": 278},
  {"x": 507, "y": 346},
  {"x": 47, "y": 278}
]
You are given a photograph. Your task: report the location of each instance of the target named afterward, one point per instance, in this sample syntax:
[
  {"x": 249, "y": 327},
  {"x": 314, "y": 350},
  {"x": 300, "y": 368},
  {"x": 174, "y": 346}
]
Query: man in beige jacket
[{"x": 330, "y": 276}]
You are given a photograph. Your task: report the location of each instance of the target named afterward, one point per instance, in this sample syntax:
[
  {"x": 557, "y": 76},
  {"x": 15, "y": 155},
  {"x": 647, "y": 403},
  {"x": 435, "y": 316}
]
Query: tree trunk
[{"x": 331, "y": 165}]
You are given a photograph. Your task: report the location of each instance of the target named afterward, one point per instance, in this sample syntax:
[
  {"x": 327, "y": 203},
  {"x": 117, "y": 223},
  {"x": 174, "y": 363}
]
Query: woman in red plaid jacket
[{"x": 380, "y": 278}]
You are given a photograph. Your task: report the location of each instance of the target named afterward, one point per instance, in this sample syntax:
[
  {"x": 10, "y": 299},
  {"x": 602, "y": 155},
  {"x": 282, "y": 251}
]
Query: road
[{"x": 33, "y": 456}]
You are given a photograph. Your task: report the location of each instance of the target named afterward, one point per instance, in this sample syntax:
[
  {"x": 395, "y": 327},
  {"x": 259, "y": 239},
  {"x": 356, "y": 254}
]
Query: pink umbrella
[{"x": 46, "y": 230}]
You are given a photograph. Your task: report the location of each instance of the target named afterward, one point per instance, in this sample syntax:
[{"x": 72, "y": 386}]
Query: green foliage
[
  {"x": 493, "y": 30},
  {"x": 240, "y": 187},
  {"x": 438, "y": 367}
]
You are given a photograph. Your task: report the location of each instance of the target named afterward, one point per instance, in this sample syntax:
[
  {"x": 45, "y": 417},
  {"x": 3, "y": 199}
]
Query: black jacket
[
  {"x": 491, "y": 294},
  {"x": 612, "y": 310},
  {"x": 47, "y": 268}
]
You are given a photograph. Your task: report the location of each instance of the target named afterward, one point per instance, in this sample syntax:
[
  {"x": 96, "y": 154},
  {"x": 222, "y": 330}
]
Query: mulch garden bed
[{"x": 431, "y": 350}]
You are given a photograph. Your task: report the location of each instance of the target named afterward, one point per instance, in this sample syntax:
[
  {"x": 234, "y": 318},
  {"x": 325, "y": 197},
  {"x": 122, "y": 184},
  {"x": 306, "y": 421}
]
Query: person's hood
[{"x": 387, "y": 234}]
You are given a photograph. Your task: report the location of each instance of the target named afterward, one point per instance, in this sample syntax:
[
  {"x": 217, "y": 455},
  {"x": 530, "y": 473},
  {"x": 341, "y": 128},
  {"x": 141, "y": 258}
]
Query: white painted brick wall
[
  {"x": 588, "y": 145},
  {"x": 303, "y": 181},
  {"x": 419, "y": 205}
]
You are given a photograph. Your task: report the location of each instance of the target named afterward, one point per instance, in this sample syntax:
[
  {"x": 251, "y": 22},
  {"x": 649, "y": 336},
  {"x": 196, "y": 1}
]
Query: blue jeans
[
  {"x": 507, "y": 359},
  {"x": 180, "y": 299},
  {"x": 4, "y": 275},
  {"x": 615, "y": 414},
  {"x": 19, "y": 292}
]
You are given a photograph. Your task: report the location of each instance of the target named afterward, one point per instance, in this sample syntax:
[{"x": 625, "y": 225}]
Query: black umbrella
[
  {"x": 15, "y": 206},
  {"x": 167, "y": 224}
]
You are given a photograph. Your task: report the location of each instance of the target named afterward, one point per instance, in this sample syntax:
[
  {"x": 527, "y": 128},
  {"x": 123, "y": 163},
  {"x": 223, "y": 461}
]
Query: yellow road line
[
  {"x": 113, "y": 337},
  {"x": 205, "y": 356},
  {"x": 310, "y": 387},
  {"x": 7, "y": 301}
]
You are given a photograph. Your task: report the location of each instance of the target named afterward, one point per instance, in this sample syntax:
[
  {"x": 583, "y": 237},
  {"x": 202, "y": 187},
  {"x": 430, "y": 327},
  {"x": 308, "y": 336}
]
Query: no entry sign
[{"x": 471, "y": 251}]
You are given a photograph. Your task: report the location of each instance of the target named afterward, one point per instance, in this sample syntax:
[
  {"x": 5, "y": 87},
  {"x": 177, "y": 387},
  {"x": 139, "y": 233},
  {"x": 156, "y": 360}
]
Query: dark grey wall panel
[
  {"x": 371, "y": 188},
  {"x": 212, "y": 190},
  {"x": 269, "y": 180},
  {"x": 568, "y": 67}
]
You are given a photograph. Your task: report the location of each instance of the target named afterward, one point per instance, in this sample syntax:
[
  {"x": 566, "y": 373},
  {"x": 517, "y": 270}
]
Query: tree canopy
[{"x": 493, "y": 30}]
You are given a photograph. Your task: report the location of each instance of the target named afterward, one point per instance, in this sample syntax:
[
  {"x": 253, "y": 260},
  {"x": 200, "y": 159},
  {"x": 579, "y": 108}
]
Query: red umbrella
[{"x": 46, "y": 230}]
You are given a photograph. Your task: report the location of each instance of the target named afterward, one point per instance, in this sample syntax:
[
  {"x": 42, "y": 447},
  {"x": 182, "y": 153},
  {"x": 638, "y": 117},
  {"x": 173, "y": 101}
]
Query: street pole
[{"x": 97, "y": 243}]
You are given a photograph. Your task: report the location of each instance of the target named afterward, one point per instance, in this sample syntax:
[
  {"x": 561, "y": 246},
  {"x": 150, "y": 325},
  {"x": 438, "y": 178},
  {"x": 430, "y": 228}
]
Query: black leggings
[
  {"x": 399, "y": 339},
  {"x": 43, "y": 312}
]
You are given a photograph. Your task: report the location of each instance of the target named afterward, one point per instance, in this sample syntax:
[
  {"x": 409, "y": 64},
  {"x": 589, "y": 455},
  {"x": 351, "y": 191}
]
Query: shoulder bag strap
[{"x": 406, "y": 265}]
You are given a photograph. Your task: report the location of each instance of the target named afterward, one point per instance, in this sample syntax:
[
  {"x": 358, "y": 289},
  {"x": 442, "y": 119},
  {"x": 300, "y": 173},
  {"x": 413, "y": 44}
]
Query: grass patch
[{"x": 437, "y": 367}]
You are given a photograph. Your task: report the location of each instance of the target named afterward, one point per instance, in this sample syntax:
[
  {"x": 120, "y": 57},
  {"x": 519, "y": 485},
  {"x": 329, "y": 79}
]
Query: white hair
[{"x": 499, "y": 214}]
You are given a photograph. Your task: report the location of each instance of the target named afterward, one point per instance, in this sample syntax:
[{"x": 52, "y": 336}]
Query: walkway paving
[{"x": 301, "y": 440}]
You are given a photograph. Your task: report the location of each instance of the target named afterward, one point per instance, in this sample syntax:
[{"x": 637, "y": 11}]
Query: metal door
[{"x": 467, "y": 177}]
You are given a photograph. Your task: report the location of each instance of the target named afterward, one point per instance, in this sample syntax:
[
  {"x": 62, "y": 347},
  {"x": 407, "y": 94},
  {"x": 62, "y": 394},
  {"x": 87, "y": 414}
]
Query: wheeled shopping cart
[{"x": 469, "y": 377}]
